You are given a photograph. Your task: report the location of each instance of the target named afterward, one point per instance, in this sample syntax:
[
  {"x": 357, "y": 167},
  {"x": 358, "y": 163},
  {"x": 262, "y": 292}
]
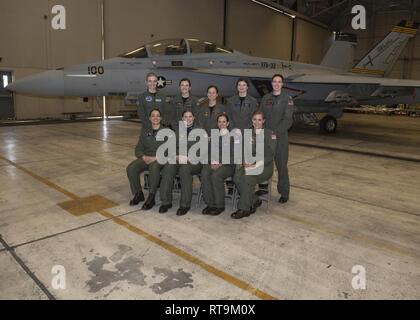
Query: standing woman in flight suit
[
  {"x": 185, "y": 170},
  {"x": 152, "y": 99},
  {"x": 241, "y": 106},
  {"x": 246, "y": 182},
  {"x": 207, "y": 113},
  {"x": 213, "y": 175},
  {"x": 278, "y": 109},
  {"x": 146, "y": 160},
  {"x": 181, "y": 102}
]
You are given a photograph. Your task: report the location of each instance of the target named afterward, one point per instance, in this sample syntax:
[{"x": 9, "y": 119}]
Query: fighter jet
[{"x": 326, "y": 88}]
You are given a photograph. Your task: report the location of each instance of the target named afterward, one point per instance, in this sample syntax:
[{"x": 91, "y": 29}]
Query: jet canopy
[{"x": 171, "y": 47}]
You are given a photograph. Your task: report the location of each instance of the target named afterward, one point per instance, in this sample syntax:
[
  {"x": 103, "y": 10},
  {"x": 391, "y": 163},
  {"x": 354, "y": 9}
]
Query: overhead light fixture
[{"x": 274, "y": 8}]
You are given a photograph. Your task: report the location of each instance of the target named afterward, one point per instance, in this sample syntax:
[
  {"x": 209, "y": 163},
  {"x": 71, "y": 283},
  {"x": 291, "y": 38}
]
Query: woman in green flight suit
[
  {"x": 146, "y": 160},
  {"x": 183, "y": 167},
  {"x": 213, "y": 175},
  {"x": 251, "y": 174}
]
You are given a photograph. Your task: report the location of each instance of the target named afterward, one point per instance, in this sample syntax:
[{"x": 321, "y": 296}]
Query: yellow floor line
[
  {"x": 167, "y": 246},
  {"x": 41, "y": 179},
  {"x": 186, "y": 256}
]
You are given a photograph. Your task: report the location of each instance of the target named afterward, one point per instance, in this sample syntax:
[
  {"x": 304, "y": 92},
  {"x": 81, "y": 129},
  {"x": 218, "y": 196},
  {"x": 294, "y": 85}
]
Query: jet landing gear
[{"x": 328, "y": 124}]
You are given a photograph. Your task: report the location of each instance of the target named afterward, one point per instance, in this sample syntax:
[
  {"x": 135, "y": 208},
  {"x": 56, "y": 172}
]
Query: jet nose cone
[{"x": 49, "y": 83}]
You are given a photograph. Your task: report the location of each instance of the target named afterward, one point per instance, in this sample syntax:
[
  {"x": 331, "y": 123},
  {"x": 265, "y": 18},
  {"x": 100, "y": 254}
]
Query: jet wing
[
  {"x": 237, "y": 72},
  {"x": 317, "y": 78},
  {"x": 351, "y": 80}
]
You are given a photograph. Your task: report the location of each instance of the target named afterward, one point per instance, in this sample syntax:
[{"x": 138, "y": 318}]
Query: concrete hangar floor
[{"x": 354, "y": 202}]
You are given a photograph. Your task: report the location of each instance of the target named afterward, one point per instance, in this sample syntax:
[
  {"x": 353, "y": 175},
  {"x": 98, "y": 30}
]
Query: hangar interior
[
  {"x": 105, "y": 29},
  {"x": 64, "y": 192}
]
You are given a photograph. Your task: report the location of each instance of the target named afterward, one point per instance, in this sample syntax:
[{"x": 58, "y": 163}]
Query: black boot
[
  {"x": 215, "y": 211},
  {"x": 283, "y": 199},
  {"x": 182, "y": 210},
  {"x": 240, "y": 214},
  {"x": 164, "y": 208},
  {"x": 138, "y": 197},
  {"x": 206, "y": 210},
  {"x": 150, "y": 202}
]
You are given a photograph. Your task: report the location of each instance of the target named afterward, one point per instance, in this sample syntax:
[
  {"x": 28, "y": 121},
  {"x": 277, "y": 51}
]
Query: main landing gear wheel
[{"x": 328, "y": 124}]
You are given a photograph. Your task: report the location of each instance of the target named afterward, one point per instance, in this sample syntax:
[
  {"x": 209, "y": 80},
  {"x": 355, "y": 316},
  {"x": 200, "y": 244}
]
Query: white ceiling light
[{"x": 5, "y": 81}]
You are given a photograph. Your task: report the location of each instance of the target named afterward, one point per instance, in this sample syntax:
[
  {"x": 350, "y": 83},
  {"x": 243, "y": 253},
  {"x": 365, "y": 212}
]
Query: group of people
[{"x": 269, "y": 121}]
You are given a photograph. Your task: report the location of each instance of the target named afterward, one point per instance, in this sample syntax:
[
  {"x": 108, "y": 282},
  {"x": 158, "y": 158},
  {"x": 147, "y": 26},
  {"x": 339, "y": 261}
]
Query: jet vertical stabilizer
[{"x": 381, "y": 59}]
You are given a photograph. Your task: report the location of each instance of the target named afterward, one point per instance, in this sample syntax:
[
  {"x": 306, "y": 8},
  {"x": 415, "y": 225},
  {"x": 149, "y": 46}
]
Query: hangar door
[{"x": 6, "y": 98}]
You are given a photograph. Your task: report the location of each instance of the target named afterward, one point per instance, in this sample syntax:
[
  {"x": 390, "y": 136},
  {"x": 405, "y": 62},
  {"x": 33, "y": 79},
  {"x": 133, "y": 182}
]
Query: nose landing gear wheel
[{"x": 328, "y": 124}]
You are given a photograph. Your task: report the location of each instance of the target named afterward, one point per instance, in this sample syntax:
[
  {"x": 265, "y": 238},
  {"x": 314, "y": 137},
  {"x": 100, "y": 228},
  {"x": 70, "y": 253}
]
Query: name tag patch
[{"x": 269, "y": 103}]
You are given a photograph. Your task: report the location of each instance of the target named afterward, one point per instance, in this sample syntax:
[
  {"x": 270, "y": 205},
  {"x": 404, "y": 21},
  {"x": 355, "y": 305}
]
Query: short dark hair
[
  {"x": 155, "y": 109},
  {"x": 185, "y": 79},
  {"x": 223, "y": 114},
  {"x": 212, "y": 86},
  {"x": 277, "y": 75},
  {"x": 187, "y": 110},
  {"x": 242, "y": 80}
]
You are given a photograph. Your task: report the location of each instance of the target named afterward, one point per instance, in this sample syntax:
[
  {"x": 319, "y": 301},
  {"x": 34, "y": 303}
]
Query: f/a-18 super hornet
[{"x": 326, "y": 88}]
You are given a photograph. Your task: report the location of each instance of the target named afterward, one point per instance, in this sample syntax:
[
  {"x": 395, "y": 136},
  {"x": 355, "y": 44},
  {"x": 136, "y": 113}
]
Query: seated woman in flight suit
[
  {"x": 215, "y": 173},
  {"x": 146, "y": 160},
  {"x": 184, "y": 167},
  {"x": 245, "y": 177}
]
